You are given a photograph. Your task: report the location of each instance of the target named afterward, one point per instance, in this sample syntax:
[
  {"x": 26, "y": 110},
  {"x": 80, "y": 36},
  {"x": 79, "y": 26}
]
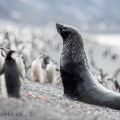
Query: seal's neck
[{"x": 73, "y": 57}]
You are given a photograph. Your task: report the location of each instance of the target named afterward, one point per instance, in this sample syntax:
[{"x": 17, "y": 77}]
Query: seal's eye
[{"x": 65, "y": 28}]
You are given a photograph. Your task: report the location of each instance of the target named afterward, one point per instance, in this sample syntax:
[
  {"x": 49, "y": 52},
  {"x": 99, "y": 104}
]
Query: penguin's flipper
[
  {"x": 105, "y": 75},
  {"x": 28, "y": 68},
  {"x": 21, "y": 77},
  {"x": 58, "y": 77},
  {"x": 44, "y": 67},
  {"x": 2, "y": 71},
  {"x": 57, "y": 70}
]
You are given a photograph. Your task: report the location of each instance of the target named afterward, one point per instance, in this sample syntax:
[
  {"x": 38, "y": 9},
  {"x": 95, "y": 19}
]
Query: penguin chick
[
  {"x": 21, "y": 67},
  {"x": 58, "y": 80},
  {"x": 51, "y": 72},
  {"x": 46, "y": 60},
  {"x": 10, "y": 76},
  {"x": 36, "y": 69},
  {"x": 6, "y": 43},
  {"x": 26, "y": 53},
  {"x": 13, "y": 47}
]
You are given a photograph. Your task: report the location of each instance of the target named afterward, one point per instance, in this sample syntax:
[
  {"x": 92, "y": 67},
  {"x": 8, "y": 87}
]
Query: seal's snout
[{"x": 59, "y": 27}]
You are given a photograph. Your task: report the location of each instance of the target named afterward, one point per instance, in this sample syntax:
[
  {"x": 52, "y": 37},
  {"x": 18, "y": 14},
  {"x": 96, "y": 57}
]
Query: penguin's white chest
[
  {"x": 21, "y": 66},
  {"x": 2, "y": 60},
  {"x": 51, "y": 72},
  {"x": 36, "y": 71},
  {"x": 27, "y": 54},
  {"x": 3, "y": 86}
]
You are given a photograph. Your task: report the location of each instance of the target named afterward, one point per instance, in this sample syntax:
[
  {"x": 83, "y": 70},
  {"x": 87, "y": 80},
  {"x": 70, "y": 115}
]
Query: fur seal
[{"x": 78, "y": 81}]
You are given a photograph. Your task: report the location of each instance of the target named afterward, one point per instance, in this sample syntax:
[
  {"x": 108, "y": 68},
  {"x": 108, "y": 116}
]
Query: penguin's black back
[{"x": 12, "y": 77}]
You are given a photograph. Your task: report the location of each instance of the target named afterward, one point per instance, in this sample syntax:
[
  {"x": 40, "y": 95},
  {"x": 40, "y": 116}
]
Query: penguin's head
[
  {"x": 66, "y": 31},
  {"x": 3, "y": 54},
  {"x": 53, "y": 62},
  {"x": 41, "y": 55},
  {"x": 4, "y": 51},
  {"x": 46, "y": 60},
  {"x": 11, "y": 55}
]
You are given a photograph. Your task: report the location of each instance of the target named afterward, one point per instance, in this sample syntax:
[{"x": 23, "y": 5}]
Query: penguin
[
  {"x": 2, "y": 79},
  {"x": 117, "y": 86},
  {"x": 10, "y": 77},
  {"x": 26, "y": 53},
  {"x": 2, "y": 59},
  {"x": 36, "y": 69},
  {"x": 6, "y": 43},
  {"x": 46, "y": 60},
  {"x": 21, "y": 66},
  {"x": 113, "y": 84},
  {"x": 13, "y": 47},
  {"x": 114, "y": 56},
  {"x": 6, "y": 35},
  {"x": 58, "y": 80},
  {"x": 20, "y": 47},
  {"x": 51, "y": 72}
]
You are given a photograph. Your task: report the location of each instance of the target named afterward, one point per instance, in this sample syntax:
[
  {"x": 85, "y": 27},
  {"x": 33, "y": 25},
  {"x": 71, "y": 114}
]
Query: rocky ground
[{"x": 46, "y": 102}]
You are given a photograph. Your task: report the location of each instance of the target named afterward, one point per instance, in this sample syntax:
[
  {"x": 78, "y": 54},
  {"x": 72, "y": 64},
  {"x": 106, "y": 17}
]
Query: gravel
[{"x": 46, "y": 102}]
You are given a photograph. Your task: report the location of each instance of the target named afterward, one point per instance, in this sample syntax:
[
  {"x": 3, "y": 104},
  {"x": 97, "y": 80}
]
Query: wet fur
[{"x": 78, "y": 81}]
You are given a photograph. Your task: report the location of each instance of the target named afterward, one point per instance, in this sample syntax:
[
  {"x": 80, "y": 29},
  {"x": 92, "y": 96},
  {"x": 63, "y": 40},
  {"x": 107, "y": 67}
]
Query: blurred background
[
  {"x": 97, "y": 16},
  {"x": 34, "y": 20}
]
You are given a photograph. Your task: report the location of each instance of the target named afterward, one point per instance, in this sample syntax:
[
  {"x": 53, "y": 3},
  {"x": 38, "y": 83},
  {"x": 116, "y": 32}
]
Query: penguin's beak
[
  {"x": 59, "y": 27},
  {"x": 42, "y": 56},
  {"x": 55, "y": 63}
]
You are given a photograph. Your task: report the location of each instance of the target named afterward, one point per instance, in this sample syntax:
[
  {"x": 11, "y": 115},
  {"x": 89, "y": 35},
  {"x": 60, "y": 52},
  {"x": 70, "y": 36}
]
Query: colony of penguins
[{"x": 27, "y": 53}]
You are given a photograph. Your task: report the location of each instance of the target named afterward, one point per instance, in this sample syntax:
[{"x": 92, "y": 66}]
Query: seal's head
[
  {"x": 73, "y": 53},
  {"x": 65, "y": 31}
]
